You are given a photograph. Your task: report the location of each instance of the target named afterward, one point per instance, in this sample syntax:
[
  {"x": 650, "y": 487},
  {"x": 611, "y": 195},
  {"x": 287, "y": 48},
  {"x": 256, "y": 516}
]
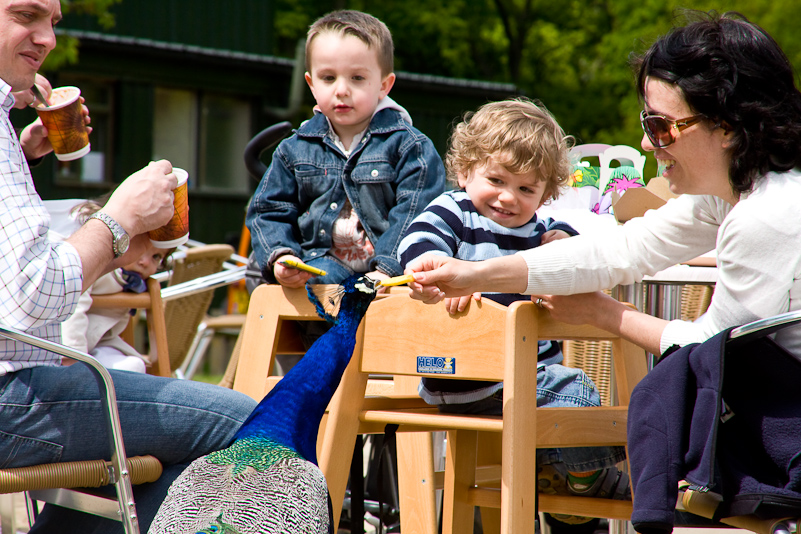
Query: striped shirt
[
  {"x": 40, "y": 282},
  {"x": 451, "y": 226}
]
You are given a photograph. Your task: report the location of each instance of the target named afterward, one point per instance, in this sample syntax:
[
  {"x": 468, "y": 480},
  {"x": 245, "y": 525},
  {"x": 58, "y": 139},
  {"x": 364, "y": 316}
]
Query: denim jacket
[{"x": 389, "y": 178}]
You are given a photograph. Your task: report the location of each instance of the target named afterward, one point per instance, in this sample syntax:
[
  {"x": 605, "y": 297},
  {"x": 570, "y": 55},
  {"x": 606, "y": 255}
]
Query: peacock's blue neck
[{"x": 291, "y": 413}]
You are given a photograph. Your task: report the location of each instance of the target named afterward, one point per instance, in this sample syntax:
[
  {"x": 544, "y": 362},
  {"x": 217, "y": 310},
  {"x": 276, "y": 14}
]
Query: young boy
[
  {"x": 508, "y": 159},
  {"x": 342, "y": 190}
]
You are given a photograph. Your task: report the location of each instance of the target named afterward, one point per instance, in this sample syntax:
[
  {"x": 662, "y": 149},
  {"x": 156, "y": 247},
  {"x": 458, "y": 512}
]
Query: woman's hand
[
  {"x": 600, "y": 310},
  {"x": 437, "y": 276}
]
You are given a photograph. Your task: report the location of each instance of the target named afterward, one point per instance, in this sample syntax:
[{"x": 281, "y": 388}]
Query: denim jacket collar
[{"x": 382, "y": 122}]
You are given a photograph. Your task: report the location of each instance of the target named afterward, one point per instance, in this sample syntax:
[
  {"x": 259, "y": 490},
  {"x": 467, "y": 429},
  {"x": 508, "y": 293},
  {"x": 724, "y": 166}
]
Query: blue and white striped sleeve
[
  {"x": 437, "y": 230},
  {"x": 551, "y": 224}
]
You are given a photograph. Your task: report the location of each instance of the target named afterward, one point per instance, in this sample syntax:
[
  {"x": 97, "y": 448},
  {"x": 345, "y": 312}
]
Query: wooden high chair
[
  {"x": 489, "y": 342},
  {"x": 496, "y": 343}
]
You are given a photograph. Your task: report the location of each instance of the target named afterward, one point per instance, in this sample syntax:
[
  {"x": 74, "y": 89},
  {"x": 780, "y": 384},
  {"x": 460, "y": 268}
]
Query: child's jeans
[{"x": 557, "y": 386}]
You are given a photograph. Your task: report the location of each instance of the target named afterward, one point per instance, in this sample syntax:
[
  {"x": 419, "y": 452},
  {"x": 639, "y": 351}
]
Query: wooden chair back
[
  {"x": 492, "y": 342},
  {"x": 180, "y": 316}
]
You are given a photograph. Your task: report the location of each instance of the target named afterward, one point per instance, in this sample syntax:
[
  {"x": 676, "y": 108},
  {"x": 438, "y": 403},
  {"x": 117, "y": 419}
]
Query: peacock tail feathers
[
  {"x": 219, "y": 527},
  {"x": 258, "y": 453},
  {"x": 289, "y": 497},
  {"x": 267, "y": 481}
]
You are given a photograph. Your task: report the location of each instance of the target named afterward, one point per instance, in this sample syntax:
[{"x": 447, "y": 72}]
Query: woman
[{"x": 722, "y": 116}]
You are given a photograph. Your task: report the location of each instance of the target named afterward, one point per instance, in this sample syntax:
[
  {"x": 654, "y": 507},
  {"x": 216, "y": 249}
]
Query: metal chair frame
[{"x": 122, "y": 508}]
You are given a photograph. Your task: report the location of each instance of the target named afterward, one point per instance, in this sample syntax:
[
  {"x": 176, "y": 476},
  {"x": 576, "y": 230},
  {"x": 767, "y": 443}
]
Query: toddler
[
  {"x": 98, "y": 332},
  {"x": 507, "y": 160}
]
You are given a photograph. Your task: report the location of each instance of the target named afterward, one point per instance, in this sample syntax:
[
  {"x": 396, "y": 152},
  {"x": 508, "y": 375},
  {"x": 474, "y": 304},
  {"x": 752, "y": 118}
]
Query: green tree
[
  {"x": 572, "y": 55},
  {"x": 66, "y": 51}
]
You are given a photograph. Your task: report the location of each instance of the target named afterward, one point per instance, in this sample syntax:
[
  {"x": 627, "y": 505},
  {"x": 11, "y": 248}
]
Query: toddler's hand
[
  {"x": 459, "y": 304},
  {"x": 289, "y": 276},
  {"x": 553, "y": 235}
]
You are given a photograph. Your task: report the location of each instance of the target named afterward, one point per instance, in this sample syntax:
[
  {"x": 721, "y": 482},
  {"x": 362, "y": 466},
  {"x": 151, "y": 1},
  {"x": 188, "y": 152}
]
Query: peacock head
[{"x": 352, "y": 296}]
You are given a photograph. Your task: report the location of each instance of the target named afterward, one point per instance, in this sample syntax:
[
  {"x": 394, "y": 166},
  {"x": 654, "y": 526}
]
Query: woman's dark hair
[{"x": 732, "y": 71}]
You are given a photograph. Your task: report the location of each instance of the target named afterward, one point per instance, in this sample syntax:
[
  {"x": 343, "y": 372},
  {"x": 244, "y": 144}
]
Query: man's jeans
[{"x": 53, "y": 414}]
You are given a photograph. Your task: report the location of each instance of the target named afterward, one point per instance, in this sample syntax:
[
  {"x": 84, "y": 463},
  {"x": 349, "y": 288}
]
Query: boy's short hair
[
  {"x": 366, "y": 28},
  {"x": 519, "y": 134}
]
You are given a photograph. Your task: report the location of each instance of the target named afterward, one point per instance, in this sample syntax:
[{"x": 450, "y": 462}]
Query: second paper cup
[{"x": 175, "y": 232}]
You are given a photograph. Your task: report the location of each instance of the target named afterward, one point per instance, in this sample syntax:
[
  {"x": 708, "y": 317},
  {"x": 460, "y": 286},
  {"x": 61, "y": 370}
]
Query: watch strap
[{"x": 117, "y": 232}]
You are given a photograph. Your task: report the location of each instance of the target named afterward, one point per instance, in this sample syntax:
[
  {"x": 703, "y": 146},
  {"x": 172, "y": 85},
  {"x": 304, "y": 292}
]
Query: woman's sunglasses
[{"x": 661, "y": 131}]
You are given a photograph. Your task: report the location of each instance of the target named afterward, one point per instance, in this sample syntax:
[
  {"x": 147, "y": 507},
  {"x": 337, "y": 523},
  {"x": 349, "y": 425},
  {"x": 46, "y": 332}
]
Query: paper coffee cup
[
  {"x": 65, "y": 125},
  {"x": 175, "y": 232}
]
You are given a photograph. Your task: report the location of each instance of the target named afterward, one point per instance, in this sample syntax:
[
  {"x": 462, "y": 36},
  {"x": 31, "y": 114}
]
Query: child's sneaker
[
  {"x": 552, "y": 481},
  {"x": 611, "y": 483}
]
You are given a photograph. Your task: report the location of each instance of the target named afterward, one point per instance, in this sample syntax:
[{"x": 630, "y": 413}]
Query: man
[{"x": 50, "y": 413}]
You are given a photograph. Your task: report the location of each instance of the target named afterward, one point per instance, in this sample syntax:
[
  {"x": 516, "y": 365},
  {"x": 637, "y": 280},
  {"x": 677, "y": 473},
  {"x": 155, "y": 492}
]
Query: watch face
[{"x": 122, "y": 244}]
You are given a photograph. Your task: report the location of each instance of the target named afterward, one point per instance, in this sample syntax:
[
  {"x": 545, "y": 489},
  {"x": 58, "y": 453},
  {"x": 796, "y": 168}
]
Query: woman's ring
[{"x": 539, "y": 302}]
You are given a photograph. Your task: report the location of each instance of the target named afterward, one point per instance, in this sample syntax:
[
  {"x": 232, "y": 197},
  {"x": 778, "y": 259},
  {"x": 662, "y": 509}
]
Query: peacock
[{"x": 267, "y": 480}]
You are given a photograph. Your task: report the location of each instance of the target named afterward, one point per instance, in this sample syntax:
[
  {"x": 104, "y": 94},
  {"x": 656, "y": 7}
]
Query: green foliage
[
  {"x": 66, "y": 51},
  {"x": 573, "y": 55},
  {"x": 98, "y": 8}
]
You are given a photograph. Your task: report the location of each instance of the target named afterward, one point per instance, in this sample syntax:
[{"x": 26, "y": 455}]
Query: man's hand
[
  {"x": 25, "y": 98},
  {"x": 144, "y": 201},
  {"x": 33, "y": 137}
]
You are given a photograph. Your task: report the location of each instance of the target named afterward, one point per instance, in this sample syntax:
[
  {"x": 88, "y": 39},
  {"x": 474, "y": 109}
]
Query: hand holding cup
[
  {"x": 63, "y": 118},
  {"x": 176, "y": 231}
]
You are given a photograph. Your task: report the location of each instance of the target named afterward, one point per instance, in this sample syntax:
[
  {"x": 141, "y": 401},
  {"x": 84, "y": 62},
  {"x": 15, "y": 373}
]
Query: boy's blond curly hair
[
  {"x": 364, "y": 27},
  {"x": 519, "y": 134}
]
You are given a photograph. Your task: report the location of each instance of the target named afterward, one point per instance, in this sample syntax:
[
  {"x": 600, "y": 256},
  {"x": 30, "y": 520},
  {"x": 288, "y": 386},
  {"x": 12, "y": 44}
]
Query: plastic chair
[
  {"x": 54, "y": 483},
  {"x": 623, "y": 154},
  {"x": 588, "y": 150}
]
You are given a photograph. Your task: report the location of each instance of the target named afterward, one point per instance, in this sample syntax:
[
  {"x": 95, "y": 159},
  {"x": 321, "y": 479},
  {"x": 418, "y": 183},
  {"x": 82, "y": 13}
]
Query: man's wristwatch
[{"x": 120, "y": 237}]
